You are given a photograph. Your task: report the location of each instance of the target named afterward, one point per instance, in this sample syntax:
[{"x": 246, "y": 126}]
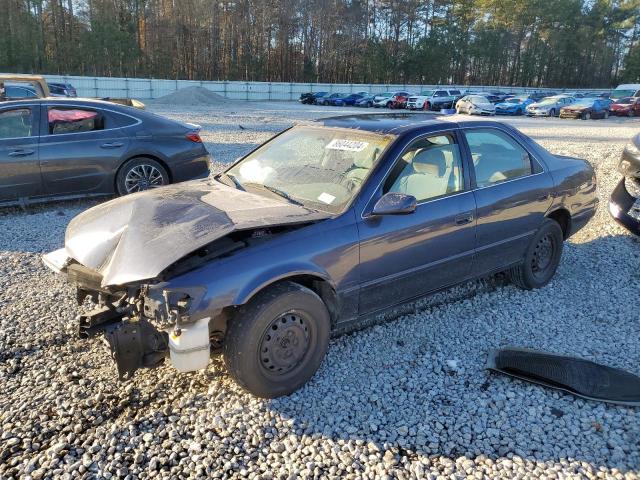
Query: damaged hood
[{"x": 136, "y": 237}]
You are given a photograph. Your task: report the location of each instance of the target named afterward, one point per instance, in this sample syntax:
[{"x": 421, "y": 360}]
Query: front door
[
  {"x": 406, "y": 256},
  {"x": 512, "y": 192},
  {"x": 80, "y": 148},
  {"x": 19, "y": 169}
]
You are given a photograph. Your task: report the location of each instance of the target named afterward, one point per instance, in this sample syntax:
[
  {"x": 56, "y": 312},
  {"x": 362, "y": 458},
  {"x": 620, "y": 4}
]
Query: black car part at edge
[{"x": 580, "y": 377}]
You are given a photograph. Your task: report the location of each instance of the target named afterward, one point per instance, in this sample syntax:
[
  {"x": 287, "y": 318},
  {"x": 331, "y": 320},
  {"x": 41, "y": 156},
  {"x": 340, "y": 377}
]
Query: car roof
[
  {"x": 87, "y": 102},
  {"x": 394, "y": 123}
]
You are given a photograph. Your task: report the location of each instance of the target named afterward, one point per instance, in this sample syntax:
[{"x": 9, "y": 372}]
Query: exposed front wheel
[
  {"x": 586, "y": 116},
  {"x": 606, "y": 114},
  {"x": 277, "y": 341},
  {"x": 541, "y": 258},
  {"x": 140, "y": 174},
  {"x": 519, "y": 112}
]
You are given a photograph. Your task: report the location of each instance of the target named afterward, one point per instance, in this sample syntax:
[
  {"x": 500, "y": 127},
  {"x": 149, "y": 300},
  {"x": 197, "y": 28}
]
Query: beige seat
[
  {"x": 356, "y": 176},
  {"x": 427, "y": 176}
]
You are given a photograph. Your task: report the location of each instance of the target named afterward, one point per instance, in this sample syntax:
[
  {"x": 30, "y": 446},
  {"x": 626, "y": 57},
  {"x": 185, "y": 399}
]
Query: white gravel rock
[{"x": 406, "y": 399}]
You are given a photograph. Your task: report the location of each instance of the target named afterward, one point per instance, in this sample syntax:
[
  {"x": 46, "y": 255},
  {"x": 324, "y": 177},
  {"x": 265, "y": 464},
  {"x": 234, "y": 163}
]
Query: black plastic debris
[{"x": 574, "y": 375}]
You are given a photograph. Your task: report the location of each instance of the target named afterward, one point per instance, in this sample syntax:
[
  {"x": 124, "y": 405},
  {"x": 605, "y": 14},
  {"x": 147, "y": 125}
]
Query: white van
[{"x": 626, "y": 90}]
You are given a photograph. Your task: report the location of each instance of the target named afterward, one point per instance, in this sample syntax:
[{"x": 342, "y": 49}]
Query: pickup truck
[{"x": 434, "y": 99}]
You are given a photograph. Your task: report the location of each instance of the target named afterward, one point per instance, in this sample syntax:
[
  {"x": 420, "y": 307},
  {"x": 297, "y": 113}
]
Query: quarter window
[
  {"x": 429, "y": 168},
  {"x": 74, "y": 120},
  {"x": 16, "y": 123},
  {"x": 496, "y": 157}
]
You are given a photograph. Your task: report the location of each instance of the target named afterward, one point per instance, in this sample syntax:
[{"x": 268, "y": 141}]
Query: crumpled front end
[{"x": 124, "y": 253}]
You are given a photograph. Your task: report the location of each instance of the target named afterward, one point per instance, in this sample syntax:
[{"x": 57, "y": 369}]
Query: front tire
[
  {"x": 552, "y": 112},
  {"x": 541, "y": 259},
  {"x": 141, "y": 173},
  {"x": 278, "y": 340}
]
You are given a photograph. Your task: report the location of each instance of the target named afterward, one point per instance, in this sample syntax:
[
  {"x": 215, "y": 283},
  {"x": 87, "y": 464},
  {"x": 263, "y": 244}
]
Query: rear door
[
  {"x": 19, "y": 169},
  {"x": 512, "y": 192},
  {"x": 80, "y": 149}
]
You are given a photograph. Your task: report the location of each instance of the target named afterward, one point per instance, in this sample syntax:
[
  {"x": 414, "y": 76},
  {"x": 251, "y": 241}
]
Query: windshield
[
  {"x": 623, "y": 93},
  {"x": 625, "y": 101},
  {"x": 585, "y": 102},
  {"x": 427, "y": 93},
  {"x": 512, "y": 100},
  {"x": 549, "y": 100},
  {"x": 478, "y": 99},
  {"x": 385, "y": 94},
  {"x": 320, "y": 168}
]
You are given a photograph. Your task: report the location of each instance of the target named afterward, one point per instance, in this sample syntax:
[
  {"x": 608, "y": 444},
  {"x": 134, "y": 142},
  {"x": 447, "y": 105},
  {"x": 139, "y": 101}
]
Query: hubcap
[
  {"x": 285, "y": 343},
  {"x": 543, "y": 256},
  {"x": 142, "y": 177}
]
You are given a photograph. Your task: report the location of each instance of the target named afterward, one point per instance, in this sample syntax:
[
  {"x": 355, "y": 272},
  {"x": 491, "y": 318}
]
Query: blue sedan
[
  {"x": 348, "y": 100},
  {"x": 316, "y": 232},
  {"x": 514, "y": 105}
]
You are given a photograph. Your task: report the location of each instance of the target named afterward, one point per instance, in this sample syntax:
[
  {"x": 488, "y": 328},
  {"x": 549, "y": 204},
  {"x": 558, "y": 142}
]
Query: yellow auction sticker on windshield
[{"x": 346, "y": 145}]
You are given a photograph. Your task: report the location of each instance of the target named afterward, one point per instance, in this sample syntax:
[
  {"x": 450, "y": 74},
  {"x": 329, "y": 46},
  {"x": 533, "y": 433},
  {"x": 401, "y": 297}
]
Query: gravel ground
[{"x": 409, "y": 398}]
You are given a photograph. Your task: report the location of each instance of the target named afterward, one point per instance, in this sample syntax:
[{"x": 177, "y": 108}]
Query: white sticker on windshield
[
  {"x": 327, "y": 198},
  {"x": 346, "y": 145}
]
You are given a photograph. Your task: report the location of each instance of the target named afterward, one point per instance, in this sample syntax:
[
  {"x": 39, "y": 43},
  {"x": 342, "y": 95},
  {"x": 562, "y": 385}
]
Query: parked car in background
[
  {"x": 626, "y": 90},
  {"x": 586, "y": 109},
  {"x": 391, "y": 99},
  {"x": 627, "y": 107},
  {"x": 319, "y": 97},
  {"x": 59, "y": 147},
  {"x": 319, "y": 230},
  {"x": 549, "y": 106},
  {"x": 514, "y": 105},
  {"x": 330, "y": 99},
  {"x": 366, "y": 101},
  {"x": 310, "y": 97},
  {"x": 62, "y": 90},
  {"x": 433, "y": 99},
  {"x": 335, "y": 97},
  {"x": 624, "y": 204},
  {"x": 475, "y": 105},
  {"x": 499, "y": 95},
  {"x": 16, "y": 92},
  {"x": 348, "y": 100}
]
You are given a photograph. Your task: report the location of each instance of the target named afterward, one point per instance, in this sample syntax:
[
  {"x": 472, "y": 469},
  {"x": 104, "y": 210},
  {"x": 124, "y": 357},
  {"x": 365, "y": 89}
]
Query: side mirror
[{"x": 395, "y": 204}]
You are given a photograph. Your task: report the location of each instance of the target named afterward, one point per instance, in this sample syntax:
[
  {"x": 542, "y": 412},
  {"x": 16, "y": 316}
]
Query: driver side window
[{"x": 429, "y": 168}]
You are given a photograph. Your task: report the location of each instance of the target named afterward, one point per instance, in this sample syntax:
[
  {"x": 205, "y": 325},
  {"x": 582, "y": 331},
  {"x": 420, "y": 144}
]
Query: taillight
[{"x": 194, "y": 137}]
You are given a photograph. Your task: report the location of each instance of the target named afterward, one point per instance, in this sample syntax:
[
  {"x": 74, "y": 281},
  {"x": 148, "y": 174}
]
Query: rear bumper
[
  {"x": 194, "y": 168},
  {"x": 625, "y": 208}
]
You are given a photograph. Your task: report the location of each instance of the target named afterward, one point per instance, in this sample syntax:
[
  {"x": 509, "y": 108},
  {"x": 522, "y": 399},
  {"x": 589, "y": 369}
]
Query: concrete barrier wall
[{"x": 149, "y": 88}]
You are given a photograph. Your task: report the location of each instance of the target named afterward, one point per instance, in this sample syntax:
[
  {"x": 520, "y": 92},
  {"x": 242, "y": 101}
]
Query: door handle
[
  {"x": 21, "y": 153},
  {"x": 112, "y": 145},
  {"x": 464, "y": 218}
]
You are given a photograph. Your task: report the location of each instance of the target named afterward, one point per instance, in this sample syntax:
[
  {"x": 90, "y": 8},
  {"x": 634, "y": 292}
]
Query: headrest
[{"x": 430, "y": 161}]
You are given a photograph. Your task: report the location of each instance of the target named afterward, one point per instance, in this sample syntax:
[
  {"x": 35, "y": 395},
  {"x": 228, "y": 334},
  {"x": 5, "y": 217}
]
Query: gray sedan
[{"x": 63, "y": 148}]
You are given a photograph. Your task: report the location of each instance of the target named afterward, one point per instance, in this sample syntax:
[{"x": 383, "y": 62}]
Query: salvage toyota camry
[{"x": 316, "y": 232}]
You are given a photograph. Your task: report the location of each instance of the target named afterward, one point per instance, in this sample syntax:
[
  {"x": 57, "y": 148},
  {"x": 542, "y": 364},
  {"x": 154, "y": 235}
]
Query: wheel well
[
  {"x": 152, "y": 157},
  {"x": 318, "y": 285},
  {"x": 563, "y": 217}
]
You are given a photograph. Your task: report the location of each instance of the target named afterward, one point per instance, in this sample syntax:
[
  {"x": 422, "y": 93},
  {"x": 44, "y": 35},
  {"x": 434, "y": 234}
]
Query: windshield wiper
[
  {"x": 277, "y": 191},
  {"x": 235, "y": 181}
]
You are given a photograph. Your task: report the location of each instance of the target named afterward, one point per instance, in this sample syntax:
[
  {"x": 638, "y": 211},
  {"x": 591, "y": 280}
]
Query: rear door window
[
  {"x": 63, "y": 120},
  {"x": 496, "y": 157},
  {"x": 16, "y": 123}
]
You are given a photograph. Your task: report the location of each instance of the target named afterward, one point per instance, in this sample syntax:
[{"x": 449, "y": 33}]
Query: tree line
[{"x": 534, "y": 43}]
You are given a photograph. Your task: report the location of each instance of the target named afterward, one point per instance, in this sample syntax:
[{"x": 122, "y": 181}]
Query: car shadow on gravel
[{"x": 418, "y": 386}]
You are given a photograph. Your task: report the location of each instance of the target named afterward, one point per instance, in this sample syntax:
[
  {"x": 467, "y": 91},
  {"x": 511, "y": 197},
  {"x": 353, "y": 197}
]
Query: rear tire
[
  {"x": 148, "y": 172},
  {"x": 278, "y": 340},
  {"x": 606, "y": 114},
  {"x": 552, "y": 112},
  {"x": 541, "y": 259}
]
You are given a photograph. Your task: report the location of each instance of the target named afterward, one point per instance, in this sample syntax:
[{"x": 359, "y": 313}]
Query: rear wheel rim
[
  {"x": 142, "y": 177},
  {"x": 285, "y": 343},
  {"x": 543, "y": 255}
]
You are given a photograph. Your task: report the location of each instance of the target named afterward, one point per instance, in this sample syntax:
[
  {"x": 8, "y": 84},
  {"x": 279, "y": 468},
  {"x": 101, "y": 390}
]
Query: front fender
[{"x": 275, "y": 274}]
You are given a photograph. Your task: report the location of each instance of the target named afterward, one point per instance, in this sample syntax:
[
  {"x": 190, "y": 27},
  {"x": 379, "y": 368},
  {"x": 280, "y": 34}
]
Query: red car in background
[
  {"x": 628, "y": 107},
  {"x": 400, "y": 99}
]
